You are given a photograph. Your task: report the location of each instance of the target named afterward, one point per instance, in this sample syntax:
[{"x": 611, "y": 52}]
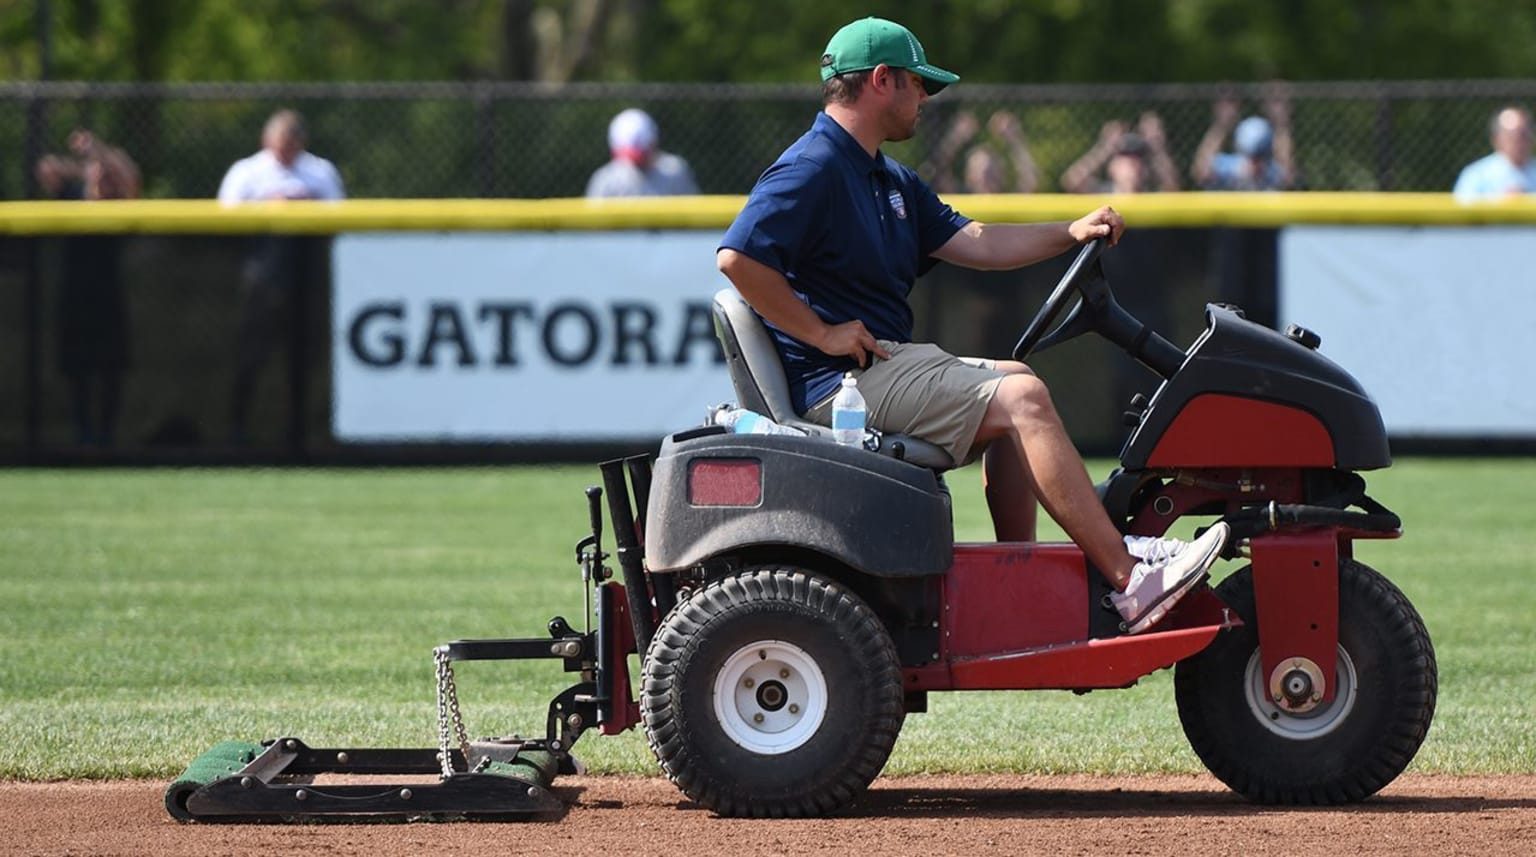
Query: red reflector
[{"x": 725, "y": 482}]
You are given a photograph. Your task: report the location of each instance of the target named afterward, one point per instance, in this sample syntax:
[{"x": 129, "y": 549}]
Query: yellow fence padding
[{"x": 175, "y": 216}]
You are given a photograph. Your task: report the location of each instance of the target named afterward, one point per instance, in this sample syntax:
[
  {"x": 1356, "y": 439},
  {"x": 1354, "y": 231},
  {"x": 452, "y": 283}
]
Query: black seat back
[
  {"x": 750, "y": 357},
  {"x": 758, "y": 376}
]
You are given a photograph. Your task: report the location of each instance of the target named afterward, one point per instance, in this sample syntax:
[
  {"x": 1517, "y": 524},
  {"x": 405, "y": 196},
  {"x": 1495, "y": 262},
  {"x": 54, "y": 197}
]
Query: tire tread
[
  {"x": 660, "y": 682},
  {"x": 1410, "y": 703}
]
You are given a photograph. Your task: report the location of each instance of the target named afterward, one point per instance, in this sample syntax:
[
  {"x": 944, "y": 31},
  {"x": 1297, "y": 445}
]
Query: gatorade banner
[{"x": 484, "y": 337}]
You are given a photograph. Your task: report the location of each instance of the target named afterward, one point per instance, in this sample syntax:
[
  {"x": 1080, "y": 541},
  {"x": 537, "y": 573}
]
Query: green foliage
[
  {"x": 1025, "y": 41},
  {"x": 275, "y": 40},
  {"x": 525, "y": 142},
  {"x": 145, "y": 615}
]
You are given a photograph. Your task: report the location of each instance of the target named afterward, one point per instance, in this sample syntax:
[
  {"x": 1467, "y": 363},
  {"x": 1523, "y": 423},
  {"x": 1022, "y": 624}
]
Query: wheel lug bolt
[
  {"x": 784, "y": 673},
  {"x": 757, "y": 718},
  {"x": 749, "y": 683},
  {"x": 794, "y": 709}
]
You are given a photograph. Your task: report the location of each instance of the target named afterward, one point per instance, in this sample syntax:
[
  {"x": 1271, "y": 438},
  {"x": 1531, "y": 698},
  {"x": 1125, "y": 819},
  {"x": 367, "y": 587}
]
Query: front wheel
[
  {"x": 772, "y": 693},
  {"x": 1343, "y": 751}
]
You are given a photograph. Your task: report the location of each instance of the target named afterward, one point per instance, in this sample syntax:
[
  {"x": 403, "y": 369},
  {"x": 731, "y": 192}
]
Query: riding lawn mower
[{"x": 792, "y": 600}]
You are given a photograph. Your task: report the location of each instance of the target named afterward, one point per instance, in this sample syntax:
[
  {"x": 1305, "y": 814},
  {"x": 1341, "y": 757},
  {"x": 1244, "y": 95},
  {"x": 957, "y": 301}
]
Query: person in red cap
[
  {"x": 827, "y": 249},
  {"x": 639, "y": 167}
]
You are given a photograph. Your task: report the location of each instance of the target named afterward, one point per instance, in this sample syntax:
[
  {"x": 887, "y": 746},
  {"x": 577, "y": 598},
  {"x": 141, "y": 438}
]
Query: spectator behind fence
[
  {"x": 638, "y": 166},
  {"x": 1262, "y": 156},
  {"x": 1130, "y": 161},
  {"x": 283, "y": 169},
  {"x": 1125, "y": 162},
  {"x": 92, "y": 313},
  {"x": 1000, "y": 164},
  {"x": 1243, "y": 261},
  {"x": 276, "y": 266},
  {"x": 1508, "y": 170}
]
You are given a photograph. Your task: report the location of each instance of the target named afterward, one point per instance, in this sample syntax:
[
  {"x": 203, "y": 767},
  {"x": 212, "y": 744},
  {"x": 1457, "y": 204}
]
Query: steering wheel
[{"x": 1084, "y": 268}]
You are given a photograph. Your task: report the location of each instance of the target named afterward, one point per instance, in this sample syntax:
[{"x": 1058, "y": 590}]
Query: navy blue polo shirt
[{"x": 851, "y": 233}]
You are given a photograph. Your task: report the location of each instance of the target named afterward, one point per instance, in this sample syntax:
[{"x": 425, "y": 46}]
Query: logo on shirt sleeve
[{"x": 898, "y": 204}]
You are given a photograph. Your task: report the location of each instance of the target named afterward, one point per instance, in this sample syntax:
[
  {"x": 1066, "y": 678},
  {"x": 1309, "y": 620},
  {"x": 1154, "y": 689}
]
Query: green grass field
[{"x": 145, "y": 615}]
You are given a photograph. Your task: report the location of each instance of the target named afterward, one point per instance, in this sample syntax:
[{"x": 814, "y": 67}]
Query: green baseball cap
[{"x": 869, "y": 42}]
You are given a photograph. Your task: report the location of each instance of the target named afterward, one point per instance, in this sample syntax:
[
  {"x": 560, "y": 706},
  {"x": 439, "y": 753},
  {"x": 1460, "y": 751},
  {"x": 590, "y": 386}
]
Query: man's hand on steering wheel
[{"x": 1102, "y": 223}]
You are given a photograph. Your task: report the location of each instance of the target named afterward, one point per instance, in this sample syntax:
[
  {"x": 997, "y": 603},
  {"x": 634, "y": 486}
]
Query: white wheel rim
[
  {"x": 770, "y": 697},
  {"x": 1316, "y": 723}
]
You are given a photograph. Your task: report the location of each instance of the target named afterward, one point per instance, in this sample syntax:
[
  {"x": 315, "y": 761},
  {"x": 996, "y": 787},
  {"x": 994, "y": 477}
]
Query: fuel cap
[{"x": 1304, "y": 336}]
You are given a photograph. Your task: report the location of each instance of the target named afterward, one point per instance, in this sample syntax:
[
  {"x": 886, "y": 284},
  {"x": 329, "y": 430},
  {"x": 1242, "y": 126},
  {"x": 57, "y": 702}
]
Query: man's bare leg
[
  {"x": 1021, "y": 416},
  {"x": 1011, "y": 500}
]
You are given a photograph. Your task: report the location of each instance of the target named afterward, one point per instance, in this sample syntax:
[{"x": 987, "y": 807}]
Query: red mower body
[{"x": 1250, "y": 426}]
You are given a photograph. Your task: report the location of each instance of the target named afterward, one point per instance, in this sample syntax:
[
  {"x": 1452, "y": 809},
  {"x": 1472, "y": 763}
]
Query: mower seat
[{"x": 758, "y": 377}]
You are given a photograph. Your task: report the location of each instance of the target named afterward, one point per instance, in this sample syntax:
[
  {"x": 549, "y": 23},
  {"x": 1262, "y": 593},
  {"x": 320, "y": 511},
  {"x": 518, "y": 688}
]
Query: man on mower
[{"x": 827, "y": 249}]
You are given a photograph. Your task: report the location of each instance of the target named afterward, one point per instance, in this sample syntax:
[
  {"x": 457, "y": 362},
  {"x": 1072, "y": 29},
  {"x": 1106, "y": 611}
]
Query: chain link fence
[
  {"x": 157, "y": 348},
  {"x": 442, "y": 140}
]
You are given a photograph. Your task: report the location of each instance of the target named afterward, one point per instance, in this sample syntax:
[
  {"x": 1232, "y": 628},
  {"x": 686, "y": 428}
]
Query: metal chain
[{"x": 448, "y": 713}]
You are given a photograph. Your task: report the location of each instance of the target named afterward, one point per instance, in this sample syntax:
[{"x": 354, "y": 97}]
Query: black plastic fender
[
  {"x": 875, "y": 514},
  {"x": 1240, "y": 358}
]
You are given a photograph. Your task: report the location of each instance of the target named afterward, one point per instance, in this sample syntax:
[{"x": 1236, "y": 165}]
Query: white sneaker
[
  {"x": 1168, "y": 569},
  {"x": 1153, "y": 550}
]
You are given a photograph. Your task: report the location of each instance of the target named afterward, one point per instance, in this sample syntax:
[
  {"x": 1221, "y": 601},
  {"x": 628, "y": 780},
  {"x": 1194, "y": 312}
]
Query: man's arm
[
  {"x": 322, "y": 180},
  {"x": 1279, "y": 109},
  {"x": 118, "y": 176},
  {"x": 232, "y": 188},
  {"x": 1079, "y": 176},
  {"x": 1469, "y": 183},
  {"x": 1150, "y": 127},
  {"x": 769, "y": 294},
  {"x": 687, "y": 185},
  {"x": 940, "y": 169},
  {"x": 1224, "y": 116},
  {"x": 1026, "y": 173},
  {"x": 1005, "y": 246}
]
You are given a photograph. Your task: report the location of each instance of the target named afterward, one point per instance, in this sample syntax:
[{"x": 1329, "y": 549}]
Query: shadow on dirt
[{"x": 1087, "y": 803}]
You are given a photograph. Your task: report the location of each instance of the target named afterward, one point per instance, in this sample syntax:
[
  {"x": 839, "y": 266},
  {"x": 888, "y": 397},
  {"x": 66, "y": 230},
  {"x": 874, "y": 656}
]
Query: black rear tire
[
  {"x": 1343, "y": 751},
  {"x": 772, "y": 693}
]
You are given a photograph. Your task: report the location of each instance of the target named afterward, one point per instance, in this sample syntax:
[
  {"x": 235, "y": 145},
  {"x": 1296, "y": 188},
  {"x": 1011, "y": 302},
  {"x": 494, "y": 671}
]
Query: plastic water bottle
[
  {"x": 743, "y": 421},
  {"x": 848, "y": 413}
]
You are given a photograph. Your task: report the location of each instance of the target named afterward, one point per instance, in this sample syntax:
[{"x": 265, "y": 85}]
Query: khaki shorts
[{"x": 924, "y": 391}]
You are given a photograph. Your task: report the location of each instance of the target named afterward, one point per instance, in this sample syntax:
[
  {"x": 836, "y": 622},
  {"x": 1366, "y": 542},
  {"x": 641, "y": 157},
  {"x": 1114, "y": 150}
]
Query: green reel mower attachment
[{"x": 286, "y": 780}]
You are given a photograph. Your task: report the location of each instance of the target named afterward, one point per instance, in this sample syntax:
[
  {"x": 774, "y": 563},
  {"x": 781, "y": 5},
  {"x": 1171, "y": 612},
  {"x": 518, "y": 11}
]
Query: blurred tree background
[
  {"x": 510, "y": 98},
  {"x": 994, "y": 41}
]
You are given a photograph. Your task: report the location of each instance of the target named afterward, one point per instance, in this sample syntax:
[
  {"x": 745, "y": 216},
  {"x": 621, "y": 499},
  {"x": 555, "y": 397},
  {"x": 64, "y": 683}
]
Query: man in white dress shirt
[
  {"x": 283, "y": 169},
  {"x": 277, "y": 268}
]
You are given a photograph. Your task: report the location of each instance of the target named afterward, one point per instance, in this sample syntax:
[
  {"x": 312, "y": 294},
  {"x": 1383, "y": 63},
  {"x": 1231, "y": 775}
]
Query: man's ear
[{"x": 880, "y": 77}]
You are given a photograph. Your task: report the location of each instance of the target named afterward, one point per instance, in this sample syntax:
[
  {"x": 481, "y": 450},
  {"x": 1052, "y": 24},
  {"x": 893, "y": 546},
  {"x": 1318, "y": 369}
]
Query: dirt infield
[{"x": 1057, "y": 815}]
